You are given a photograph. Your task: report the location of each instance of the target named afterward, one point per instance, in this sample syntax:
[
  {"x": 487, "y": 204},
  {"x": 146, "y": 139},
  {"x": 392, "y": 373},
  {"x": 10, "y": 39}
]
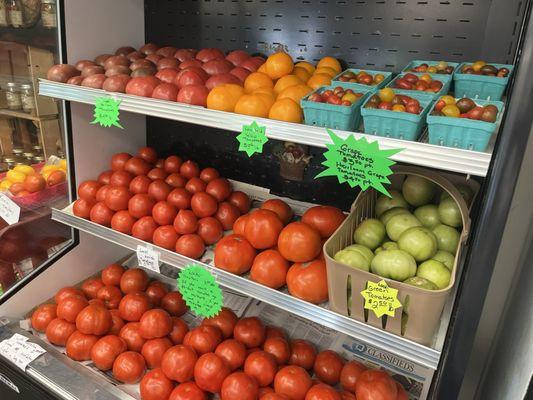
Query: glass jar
[
  {"x": 14, "y": 101},
  {"x": 10, "y": 161},
  {"x": 14, "y": 13},
  {"x": 3, "y": 14},
  {"x": 28, "y": 156},
  {"x": 49, "y": 14},
  {"x": 27, "y": 97},
  {"x": 17, "y": 151},
  {"x": 38, "y": 159}
]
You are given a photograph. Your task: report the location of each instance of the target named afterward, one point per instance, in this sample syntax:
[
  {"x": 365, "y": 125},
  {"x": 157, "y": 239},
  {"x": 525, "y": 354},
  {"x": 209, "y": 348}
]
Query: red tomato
[
  {"x": 204, "y": 339},
  {"x": 133, "y": 306},
  {"x": 155, "y": 292},
  {"x": 282, "y": 209},
  {"x": 225, "y": 320},
  {"x": 210, "y": 230},
  {"x": 232, "y": 352},
  {"x": 42, "y": 316},
  {"x": 308, "y": 281},
  {"x": 262, "y": 366},
  {"x": 118, "y": 161},
  {"x": 303, "y": 354},
  {"x": 273, "y": 396},
  {"x": 140, "y": 205},
  {"x": 219, "y": 188},
  {"x": 82, "y": 208},
  {"x": 131, "y": 334},
  {"x": 227, "y": 214},
  {"x": 189, "y": 169},
  {"x": 350, "y": 374},
  {"x": 164, "y": 213},
  {"x": 155, "y": 323},
  {"x": 239, "y": 386},
  {"x": 87, "y": 190},
  {"x": 187, "y": 391},
  {"x": 176, "y": 180},
  {"x": 328, "y": 367},
  {"x": 129, "y": 367},
  {"x": 123, "y": 222},
  {"x": 159, "y": 190},
  {"x": 172, "y": 164},
  {"x": 112, "y": 274},
  {"x": 264, "y": 391},
  {"x": 233, "y": 253},
  {"x": 121, "y": 178},
  {"x": 106, "y": 350},
  {"x": 137, "y": 166},
  {"x": 101, "y": 214},
  {"x": 275, "y": 332},
  {"x": 153, "y": 351},
  {"x": 165, "y": 91},
  {"x": 250, "y": 331},
  {"x": 375, "y": 384},
  {"x": 240, "y": 225},
  {"x": 293, "y": 382},
  {"x": 185, "y": 222},
  {"x": 117, "y": 324},
  {"x": 97, "y": 302},
  {"x": 195, "y": 185},
  {"x": 178, "y": 363},
  {"x": 345, "y": 395},
  {"x": 100, "y": 195},
  {"x": 241, "y": 201},
  {"x": 65, "y": 292},
  {"x": 148, "y": 154},
  {"x": 94, "y": 320},
  {"x": 90, "y": 287},
  {"x": 325, "y": 219},
  {"x": 179, "y": 330},
  {"x": 159, "y": 163},
  {"x": 270, "y": 269},
  {"x": 203, "y": 204},
  {"x": 279, "y": 348},
  {"x": 209, "y": 174},
  {"x": 69, "y": 308},
  {"x": 79, "y": 346},
  {"x": 322, "y": 392},
  {"x": 209, "y": 372},
  {"x": 166, "y": 237},
  {"x": 140, "y": 184},
  {"x": 190, "y": 245},
  {"x": 180, "y": 198},
  {"x": 262, "y": 229},
  {"x": 157, "y": 173},
  {"x": 299, "y": 242},
  {"x": 133, "y": 280},
  {"x": 110, "y": 295},
  {"x": 155, "y": 386},
  {"x": 144, "y": 229},
  {"x": 174, "y": 304},
  {"x": 105, "y": 177},
  {"x": 58, "y": 331}
]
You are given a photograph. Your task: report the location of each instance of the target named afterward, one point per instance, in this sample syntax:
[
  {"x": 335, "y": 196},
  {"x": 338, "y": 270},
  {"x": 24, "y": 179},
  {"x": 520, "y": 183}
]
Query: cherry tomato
[
  {"x": 121, "y": 178},
  {"x": 174, "y": 304},
  {"x": 164, "y": 213},
  {"x": 219, "y": 188},
  {"x": 166, "y": 237},
  {"x": 195, "y": 185},
  {"x": 105, "y": 177},
  {"x": 279, "y": 348},
  {"x": 159, "y": 190},
  {"x": 155, "y": 323},
  {"x": 282, "y": 209},
  {"x": 190, "y": 245},
  {"x": 90, "y": 287},
  {"x": 65, "y": 292},
  {"x": 209, "y": 174},
  {"x": 117, "y": 323},
  {"x": 293, "y": 382},
  {"x": 232, "y": 352},
  {"x": 203, "y": 204},
  {"x": 239, "y": 386},
  {"x": 187, "y": 391},
  {"x": 270, "y": 269},
  {"x": 350, "y": 374},
  {"x": 148, "y": 154},
  {"x": 155, "y": 292},
  {"x": 209, "y": 372},
  {"x": 172, "y": 164},
  {"x": 140, "y": 184},
  {"x": 137, "y": 166},
  {"x": 87, "y": 190},
  {"x": 94, "y": 320},
  {"x": 225, "y": 320},
  {"x": 144, "y": 229},
  {"x": 180, "y": 198},
  {"x": 240, "y": 200},
  {"x": 204, "y": 339},
  {"x": 129, "y": 367},
  {"x": 133, "y": 280},
  {"x": 101, "y": 214},
  {"x": 123, "y": 222},
  {"x": 176, "y": 180},
  {"x": 133, "y": 306},
  {"x": 82, "y": 208},
  {"x": 179, "y": 330},
  {"x": 69, "y": 308},
  {"x": 118, "y": 161},
  {"x": 322, "y": 391},
  {"x": 233, "y": 253},
  {"x": 185, "y": 222},
  {"x": 262, "y": 229},
  {"x": 58, "y": 331},
  {"x": 153, "y": 350},
  {"x": 240, "y": 225},
  {"x": 328, "y": 367},
  {"x": 250, "y": 331},
  {"x": 325, "y": 219},
  {"x": 227, "y": 214},
  {"x": 308, "y": 281},
  {"x": 303, "y": 354},
  {"x": 157, "y": 173},
  {"x": 140, "y": 205},
  {"x": 189, "y": 169},
  {"x": 155, "y": 386},
  {"x": 131, "y": 334},
  {"x": 106, "y": 350},
  {"x": 262, "y": 366},
  {"x": 110, "y": 295},
  {"x": 101, "y": 193},
  {"x": 375, "y": 384},
  {"x": 178, "y": 363},
  {"x": 42, "y": 316}
]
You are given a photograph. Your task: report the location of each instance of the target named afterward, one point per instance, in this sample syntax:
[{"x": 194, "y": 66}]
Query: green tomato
[
  {"x": 385, "y": 203},
  {"x": 418, "y": 241},
  {"x": 370, "y": 233},
  {"x": 449, "y": 213},
  {"x": 418, "y": 191},
  {"x": 352, "y": 259},
  {"x": 394, "y": 264},
  {"x": 365, "y": 251},
  {"x": 428, "y": 215},
  {"x": 400, "y": 223},
  {"x": 391, "y": 212},
  {"x": 444, "y": 257},
  {"x": 421, "y": 283},
  {"x": 447, "y": 238},
  {"x": 465, "y": 191},
  {"x": 436, "y": 272}
]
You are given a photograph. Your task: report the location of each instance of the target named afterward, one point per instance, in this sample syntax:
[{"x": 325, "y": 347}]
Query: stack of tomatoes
[
  {"x": 278, "y": 252},
  {"x": 128, "y": 325},
  {"x": 169, "y": 202}
]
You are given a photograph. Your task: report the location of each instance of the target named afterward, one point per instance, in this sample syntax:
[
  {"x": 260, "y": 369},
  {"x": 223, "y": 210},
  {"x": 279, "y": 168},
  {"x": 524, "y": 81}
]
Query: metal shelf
[
  {"x": 416, "y": 153},
  {"x": 417, "y": 353}
]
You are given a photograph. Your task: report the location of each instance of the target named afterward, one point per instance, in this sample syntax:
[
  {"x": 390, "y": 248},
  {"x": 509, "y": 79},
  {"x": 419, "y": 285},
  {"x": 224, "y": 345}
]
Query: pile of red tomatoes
[{"x": 130, "y": 326}]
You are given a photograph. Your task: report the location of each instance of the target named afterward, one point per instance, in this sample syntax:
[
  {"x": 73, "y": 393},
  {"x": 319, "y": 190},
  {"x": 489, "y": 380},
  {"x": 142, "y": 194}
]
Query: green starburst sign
[
  {"x": 200, "y": 291},
  {"x": 252, "y": 138},
  {"x": 106, "y": 112},
  {"x": 381, "y": 298},
  {"x": 358, "y": 162}
]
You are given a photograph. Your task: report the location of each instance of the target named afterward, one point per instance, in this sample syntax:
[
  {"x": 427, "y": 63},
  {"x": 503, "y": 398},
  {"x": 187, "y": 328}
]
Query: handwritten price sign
[
  {"x": 200, "y": 291},
  {"x": 381, "y": 298}
]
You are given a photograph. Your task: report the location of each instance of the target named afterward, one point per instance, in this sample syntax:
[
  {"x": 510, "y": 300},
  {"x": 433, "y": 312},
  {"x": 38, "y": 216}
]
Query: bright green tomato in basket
[
  {"x": 421, "y": 283},
  {"x": 385, "y": 203},
  {"x": 449, "y": 213},
  {"x": 370, "y": 233},
  {"x": 391, "y": 212},
  {"x": 387, "y": 246},
  {"x": 352, "y": 258},
  {"x": 365, "y": 251},
  {"x": 436, "y": 272},
  {"x": 465, "y": 191},
  {"x": 394, "y": 264},
  {"x": 418, "y": 191},
  {"x": 418, "y": 241},
  {"x": 444, "y": 257},
  {"x": 447, "y": 238},
  {"x": 428, "y": 215},
  {"x": 400, "y": 223}
]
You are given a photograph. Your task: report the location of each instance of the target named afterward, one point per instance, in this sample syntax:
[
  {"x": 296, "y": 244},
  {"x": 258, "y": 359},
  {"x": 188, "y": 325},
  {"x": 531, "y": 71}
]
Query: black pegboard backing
[{"x": 383, "y": 34}]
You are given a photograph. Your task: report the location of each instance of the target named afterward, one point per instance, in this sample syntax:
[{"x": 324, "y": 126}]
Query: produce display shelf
[
  {"x": 415, "y": 153},
  {"x": 422, "y": 355}
]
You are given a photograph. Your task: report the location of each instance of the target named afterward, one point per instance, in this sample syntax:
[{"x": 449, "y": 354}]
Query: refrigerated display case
[{"x": 381, "y": 36}]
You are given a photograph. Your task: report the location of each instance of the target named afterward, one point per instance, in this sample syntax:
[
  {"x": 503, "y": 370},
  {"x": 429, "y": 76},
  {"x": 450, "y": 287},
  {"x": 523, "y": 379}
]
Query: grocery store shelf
[
  {"x": 417, "y": 353},
  {"x": 416, "y": 153},
  {"x": 4, "y": 112}
]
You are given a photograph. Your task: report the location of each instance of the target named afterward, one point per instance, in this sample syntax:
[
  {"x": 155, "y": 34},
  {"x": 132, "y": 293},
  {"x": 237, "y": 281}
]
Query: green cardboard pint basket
[
  {"x": 416, "y": 63},
  {"x": 480, "y": 86},
  {"x": 445, "y": 79},
  {"x": 354, "y": 85}
]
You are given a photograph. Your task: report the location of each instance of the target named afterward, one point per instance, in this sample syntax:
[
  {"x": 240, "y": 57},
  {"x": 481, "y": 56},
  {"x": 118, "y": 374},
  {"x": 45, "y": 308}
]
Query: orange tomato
[
  {"x": 330, "y": 62},
  {"x": 257, "y": 80},
  {"x": 286, "y": 110},
  {"x": 279, "y": 64},
  {"x": 296, "y": 92},
  {"x": 224, "y": 97},
  {"x": 286, "y": 81},
  {"x": 250, "y": 104}
]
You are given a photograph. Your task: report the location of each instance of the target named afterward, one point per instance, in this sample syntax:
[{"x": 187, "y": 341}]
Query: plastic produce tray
[
  {"x": 480, "y": 86},
  {"x": 445, "y": 79},
  {"x": 353, "y": 85}
]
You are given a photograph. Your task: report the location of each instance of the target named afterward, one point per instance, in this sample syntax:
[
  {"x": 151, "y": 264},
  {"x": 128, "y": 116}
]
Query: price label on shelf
[
  {"x": 252, "y": 138},
  {"x": 148, "y": 258},
  {"x": 200, "y": 291},
  {"x": 106, "y": 112},
  {"x": 19, "y": 351},
  {"x": 9, "y": 210},
  {"x": 381, "y": 298},
  {"x": 358, "y": 162}
]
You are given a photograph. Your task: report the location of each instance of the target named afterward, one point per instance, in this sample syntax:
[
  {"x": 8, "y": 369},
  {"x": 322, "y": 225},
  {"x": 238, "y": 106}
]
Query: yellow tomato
[
  {"x": 432, "y": 70},
  {"x": 426, "y": 78},
  {"x": 16, "y": 176},
  {"x": 25, "y": 169},
  {"x": 351, "y": 97},
  {"x": 398, "y": 108},
  {"x": 47, "y": 168},
  {"x": 478, "y": 65},
  {"x": 5, "y": 184},
  {"x": 378, "y": 78},
  {"x": 451, "y": 110},
  {"x": 386, "y": 94},
  {"x": 448, "y": 99},
  {"x": 63, "y": 163}
]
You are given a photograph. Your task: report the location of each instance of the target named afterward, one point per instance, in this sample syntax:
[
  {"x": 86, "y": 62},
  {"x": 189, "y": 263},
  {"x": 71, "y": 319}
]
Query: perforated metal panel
[{"x": 379, "y": 34}]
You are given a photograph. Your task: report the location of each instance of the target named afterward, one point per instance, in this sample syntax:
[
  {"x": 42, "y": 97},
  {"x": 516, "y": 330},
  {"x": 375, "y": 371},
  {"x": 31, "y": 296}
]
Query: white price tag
[
  {"x": 18, "y": 350},
  {"x": 148, "y": 258},
  {"x": 9, "y": 210}
]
